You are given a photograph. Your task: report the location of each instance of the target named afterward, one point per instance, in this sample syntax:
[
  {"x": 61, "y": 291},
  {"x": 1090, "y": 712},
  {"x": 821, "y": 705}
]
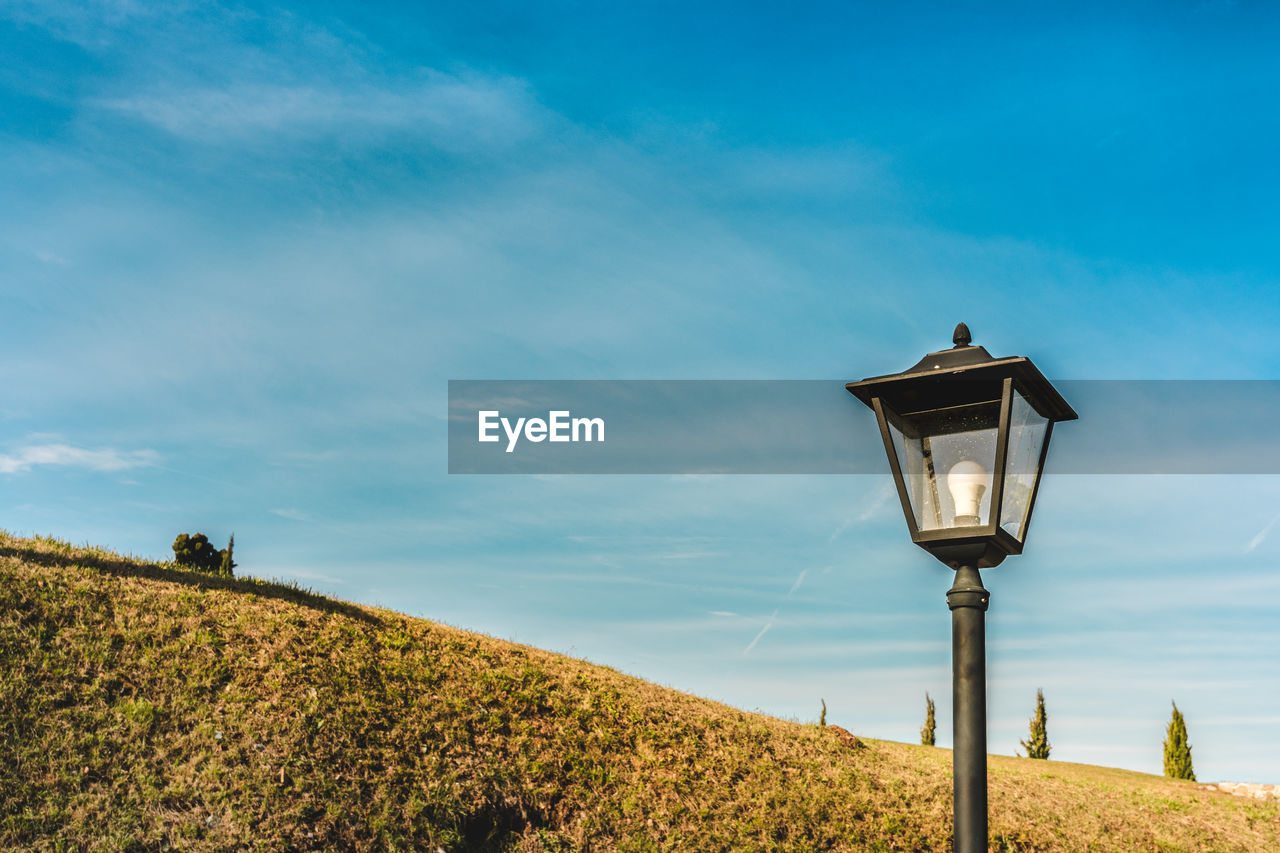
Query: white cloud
[
  {"x": 452, "y": 112},
  {"x": 301, "y": 574},
  {"x": 763, "y": 631},
  {"x": 291, "y": 514},
  {"x": 213, "y": 79},
  {"x": 106, "y": 459},
  {"x": 836, "y": 171},
  {"x": 690, "y": 555},
  {"x": 90, "y": 23},
  {"x": 799, "y": 580},
  {"x": 51, "y": 258},
  {"x": 1261, "y": 535},
  {"x": 881, "y": 497}
]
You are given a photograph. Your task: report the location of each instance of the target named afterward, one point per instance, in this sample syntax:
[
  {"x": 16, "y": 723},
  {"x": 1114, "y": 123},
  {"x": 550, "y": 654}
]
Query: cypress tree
[
  {"x": 822, "y": 721},
  {"x": 227, "y": 563},
  {"x": 1037, "y": 744},
  {"x": 1177, "y": 749},
  {"x": 928, "y": 730}
]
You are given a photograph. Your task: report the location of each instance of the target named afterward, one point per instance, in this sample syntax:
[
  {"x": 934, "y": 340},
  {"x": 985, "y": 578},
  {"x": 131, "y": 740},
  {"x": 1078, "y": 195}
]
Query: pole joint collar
[{"x": 968, "y": 590}]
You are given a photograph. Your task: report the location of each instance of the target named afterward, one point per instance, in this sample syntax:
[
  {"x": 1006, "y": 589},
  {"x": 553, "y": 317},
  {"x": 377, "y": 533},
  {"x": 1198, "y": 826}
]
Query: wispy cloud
[
  {"x": 1261, "y": 535},
  {"x": 291, "y": 514},
  {"x": 690, "y": 555},
  {"x": 51, "y": 258},
  {"x": 303, "y": 574},
  {"x": 813, "y": 171},
  {"x": 799, "y": 580},
  {"x": 217, "y": 76},
  {"x": 86, "y": 24},
  {"x": 450, "y": 111},
  {"x": 64, "y": 455},
  {"x": 880, "y": 498},
  {"x": 763, "y": 631}
]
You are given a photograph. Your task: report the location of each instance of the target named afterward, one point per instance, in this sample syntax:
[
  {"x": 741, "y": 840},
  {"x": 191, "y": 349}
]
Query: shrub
[{"x": 195, "y": 552}]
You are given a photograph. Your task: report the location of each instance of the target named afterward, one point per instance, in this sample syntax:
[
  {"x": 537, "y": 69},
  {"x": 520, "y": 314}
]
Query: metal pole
[{"x": 968, "y": 599}]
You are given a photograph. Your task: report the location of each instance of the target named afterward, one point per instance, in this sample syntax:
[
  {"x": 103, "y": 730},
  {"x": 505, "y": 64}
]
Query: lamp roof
[{"x": 961, "y": 375}]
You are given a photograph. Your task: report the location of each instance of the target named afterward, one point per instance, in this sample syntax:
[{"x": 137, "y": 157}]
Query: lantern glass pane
[
  {"x": 1027, "y": 429},
  {"x": 946, "y": 458}
]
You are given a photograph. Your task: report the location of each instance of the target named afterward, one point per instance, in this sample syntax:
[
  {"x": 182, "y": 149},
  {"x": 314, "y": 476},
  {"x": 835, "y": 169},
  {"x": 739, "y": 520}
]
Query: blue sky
[{"x": 243, "y": 249}]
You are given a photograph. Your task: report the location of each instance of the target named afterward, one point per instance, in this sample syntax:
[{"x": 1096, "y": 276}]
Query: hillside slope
[{"x": 143, "y": 707}]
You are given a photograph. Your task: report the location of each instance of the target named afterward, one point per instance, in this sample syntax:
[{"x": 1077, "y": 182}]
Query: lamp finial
[{"x": 961, "y": 336}]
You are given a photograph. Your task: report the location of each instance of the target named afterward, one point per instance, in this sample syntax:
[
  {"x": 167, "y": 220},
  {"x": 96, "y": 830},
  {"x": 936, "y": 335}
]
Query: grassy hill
[{"x": 148, "y": 708}]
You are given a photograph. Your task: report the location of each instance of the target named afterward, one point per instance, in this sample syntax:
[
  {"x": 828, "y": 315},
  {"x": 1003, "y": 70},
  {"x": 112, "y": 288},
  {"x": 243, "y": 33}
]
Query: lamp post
[{"x": 966, "y": 435}]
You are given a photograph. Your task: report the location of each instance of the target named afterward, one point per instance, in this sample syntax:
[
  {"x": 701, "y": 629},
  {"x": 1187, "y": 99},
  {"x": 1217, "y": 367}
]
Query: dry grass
[{"x": 144, "y": 708}]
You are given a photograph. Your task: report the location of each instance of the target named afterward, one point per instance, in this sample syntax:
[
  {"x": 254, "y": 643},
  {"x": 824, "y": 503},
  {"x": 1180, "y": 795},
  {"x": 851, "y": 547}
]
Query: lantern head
[{"x": 967, "y": 436}]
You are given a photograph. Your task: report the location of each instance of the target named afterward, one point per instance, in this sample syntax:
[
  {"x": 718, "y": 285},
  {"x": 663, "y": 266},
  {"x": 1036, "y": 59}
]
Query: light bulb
[{"x": 967, "y": 482}]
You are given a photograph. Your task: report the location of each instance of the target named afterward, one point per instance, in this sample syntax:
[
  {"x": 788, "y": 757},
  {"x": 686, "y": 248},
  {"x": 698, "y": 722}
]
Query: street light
[{"x": 967, "y": 435}]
